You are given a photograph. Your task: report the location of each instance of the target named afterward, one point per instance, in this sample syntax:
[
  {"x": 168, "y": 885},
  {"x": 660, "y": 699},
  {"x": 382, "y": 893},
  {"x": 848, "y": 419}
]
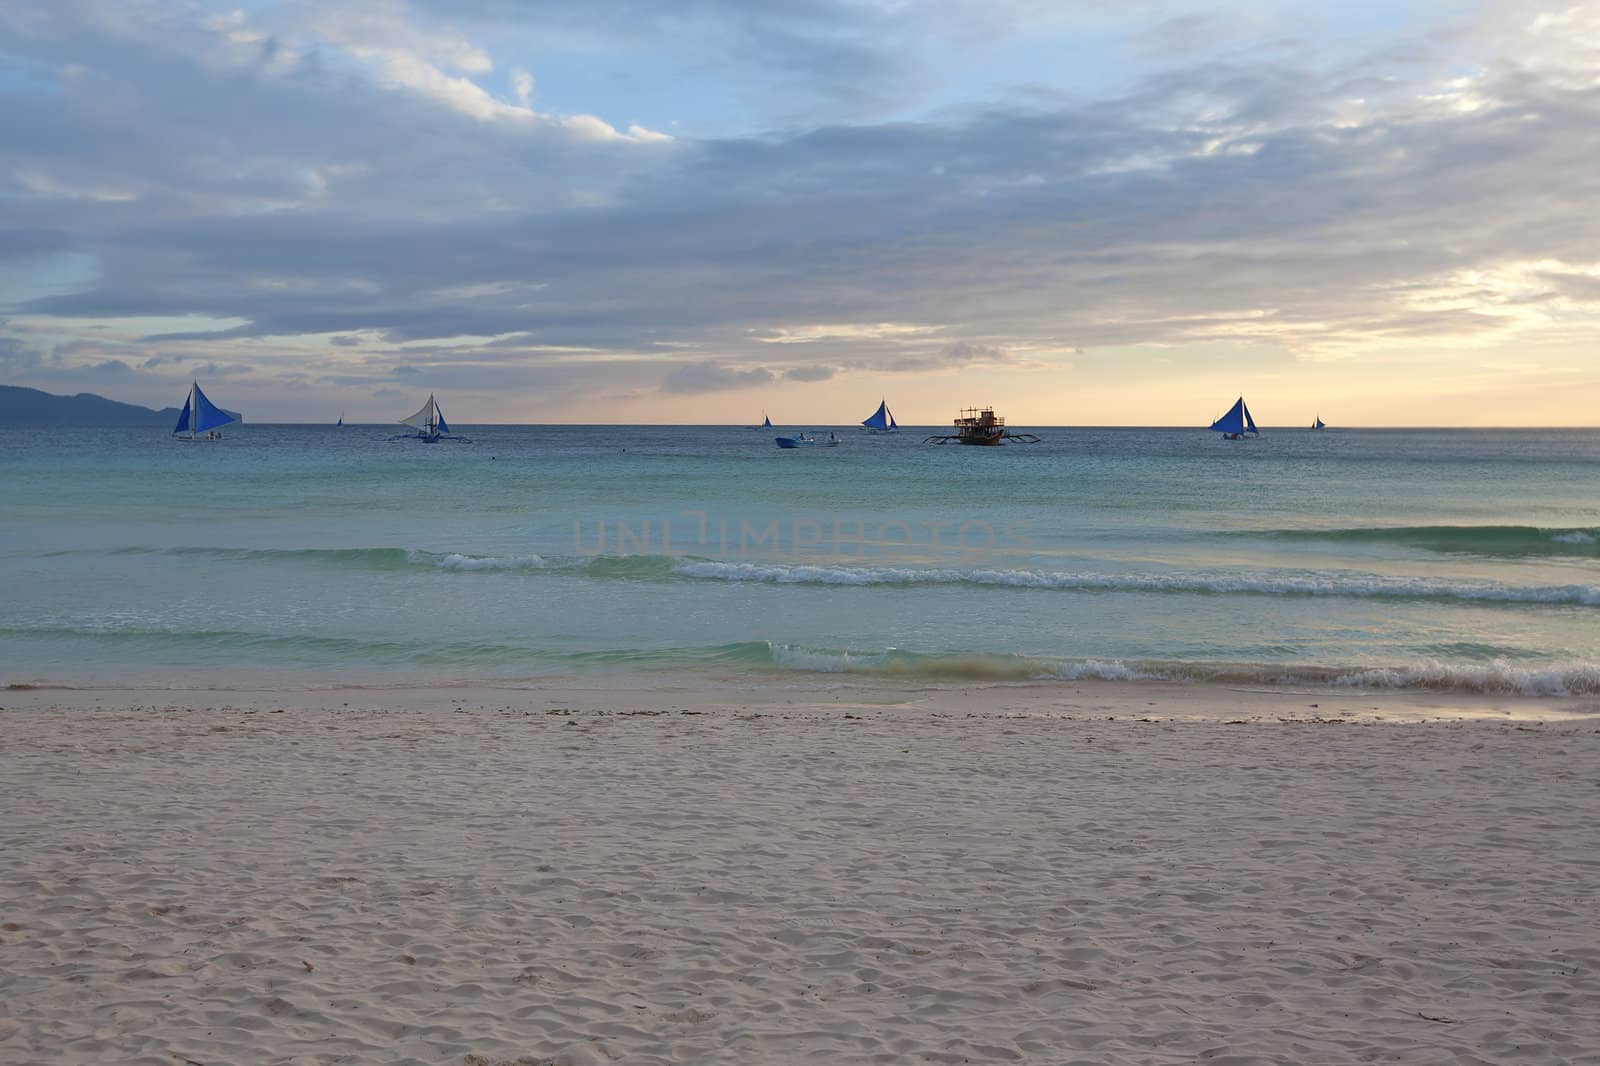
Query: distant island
[{"x": 30, "y": 407}]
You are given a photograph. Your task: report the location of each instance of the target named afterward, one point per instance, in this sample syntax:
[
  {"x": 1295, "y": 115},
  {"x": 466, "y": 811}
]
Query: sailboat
[
  {"x": 1237, "y": 423},
  {"x": 766, "y": 423},
  {"x": 881, "y": 420},
  {"x": 340, "y": 423},
  {"x": 199, "y": 416},
  {"x": 1318, "y": 423},
  {"x": 429, "y": 424}
]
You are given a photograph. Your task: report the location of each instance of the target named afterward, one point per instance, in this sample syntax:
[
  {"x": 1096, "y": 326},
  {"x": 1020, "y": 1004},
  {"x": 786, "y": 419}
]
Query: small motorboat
[{"x": 805, "y": 440}]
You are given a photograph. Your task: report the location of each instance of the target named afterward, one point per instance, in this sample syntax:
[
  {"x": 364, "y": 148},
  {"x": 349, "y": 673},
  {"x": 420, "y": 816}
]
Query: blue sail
[
  {"x": 881, "y": 418},
  {"x": 766, "y": 423},
  {"x": 438, "y": 413},
  {"x": 183, "y": 418},
  {"x": 1236, "y": 421},
  {"x": 207, "y": 415}
]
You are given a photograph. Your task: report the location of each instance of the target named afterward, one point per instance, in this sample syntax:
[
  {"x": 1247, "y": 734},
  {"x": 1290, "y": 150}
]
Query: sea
[{"x": 1451, "y": 560}]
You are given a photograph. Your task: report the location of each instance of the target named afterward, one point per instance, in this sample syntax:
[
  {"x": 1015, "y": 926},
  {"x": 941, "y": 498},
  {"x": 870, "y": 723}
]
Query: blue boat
[
  {"x": 803, "y": 440},
  {"x": 881, "y": 420},
  {"x": 1237, "y": 423},
  {"x": 200, "y": 415}
]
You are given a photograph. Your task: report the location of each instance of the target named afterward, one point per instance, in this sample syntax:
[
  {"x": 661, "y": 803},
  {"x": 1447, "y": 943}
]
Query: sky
[{"x": 658, "y": 211}]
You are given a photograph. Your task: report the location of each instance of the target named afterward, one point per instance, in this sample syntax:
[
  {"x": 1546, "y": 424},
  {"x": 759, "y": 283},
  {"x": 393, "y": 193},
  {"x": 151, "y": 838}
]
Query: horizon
[
  {"x": 359, "y": 421},
  {"x": 656, "y": 216},
  {"x": 903, "y": 424}
]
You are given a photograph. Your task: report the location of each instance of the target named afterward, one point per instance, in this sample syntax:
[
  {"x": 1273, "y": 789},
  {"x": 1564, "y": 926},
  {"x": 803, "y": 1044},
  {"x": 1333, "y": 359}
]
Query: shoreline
[{"x": 1187, "y": 700}]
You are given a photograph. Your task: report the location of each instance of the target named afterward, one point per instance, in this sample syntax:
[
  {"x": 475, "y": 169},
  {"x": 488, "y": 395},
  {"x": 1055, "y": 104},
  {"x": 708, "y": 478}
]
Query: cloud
[
  {"x": 358, "y": 188},
  {"x": 109, "y": 370},
  {"x": 713, "y": 377},
  {"x": 15, "y": 355},
  {"x": 383, "y": 28},
  {"x": 810, "y": 373}
]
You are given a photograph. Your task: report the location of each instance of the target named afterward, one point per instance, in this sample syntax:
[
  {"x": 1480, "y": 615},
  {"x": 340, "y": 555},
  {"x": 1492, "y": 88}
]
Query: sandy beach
[{"x": 823, "y": 873}]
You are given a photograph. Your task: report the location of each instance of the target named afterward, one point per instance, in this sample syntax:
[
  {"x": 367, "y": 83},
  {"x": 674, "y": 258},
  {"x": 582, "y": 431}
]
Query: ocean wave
[
  {"x": 1475, "y": 540},
  {"x": 892, "y": 662},
  {"x": 296, "y": 648},
  {"x": 1495, "y": 678},
  {"x": 1498, "y": 677},
  {"x": 351, "y": 558},
  {"x": 758, "y": 658},
  {"x": 1287, "y": 583},
  {"x": 459, "y": 561},
  {"x": 1362, "y": 586}
]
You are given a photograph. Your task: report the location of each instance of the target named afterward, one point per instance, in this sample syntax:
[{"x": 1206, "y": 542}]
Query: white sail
[{"x": 423, "y": 417}]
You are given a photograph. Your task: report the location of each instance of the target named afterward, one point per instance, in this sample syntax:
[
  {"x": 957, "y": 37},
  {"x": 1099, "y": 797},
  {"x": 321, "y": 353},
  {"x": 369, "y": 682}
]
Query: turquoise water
[{"x": 1445, "y": 559}]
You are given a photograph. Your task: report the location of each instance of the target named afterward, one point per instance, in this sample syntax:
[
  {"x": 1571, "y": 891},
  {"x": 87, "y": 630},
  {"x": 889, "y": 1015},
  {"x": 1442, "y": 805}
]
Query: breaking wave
[
  {"x": 1363, "y": 586},
  {"x": 1280, "y": 582},
  {"x": 511, "y": 658},
  {"x": 1497, "y": 678}
]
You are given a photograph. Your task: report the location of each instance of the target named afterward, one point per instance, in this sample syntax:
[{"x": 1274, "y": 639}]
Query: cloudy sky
[{"x": 695, "y": 210}]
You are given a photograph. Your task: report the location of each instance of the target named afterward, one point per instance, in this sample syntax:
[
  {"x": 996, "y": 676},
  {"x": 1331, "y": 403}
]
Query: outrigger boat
[
  {"x": 981, "y": 426},
  {"x": 1318, "y": 423},
  {"x": 803, "y": 440}
]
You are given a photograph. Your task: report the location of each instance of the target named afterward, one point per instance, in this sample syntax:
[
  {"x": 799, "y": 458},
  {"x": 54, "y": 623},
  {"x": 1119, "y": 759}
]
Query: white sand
[{"x": 833, "y": 875}]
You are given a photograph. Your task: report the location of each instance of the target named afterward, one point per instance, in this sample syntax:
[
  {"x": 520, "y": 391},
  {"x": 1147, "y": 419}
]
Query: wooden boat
[{"x": 981, "y": 426}]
